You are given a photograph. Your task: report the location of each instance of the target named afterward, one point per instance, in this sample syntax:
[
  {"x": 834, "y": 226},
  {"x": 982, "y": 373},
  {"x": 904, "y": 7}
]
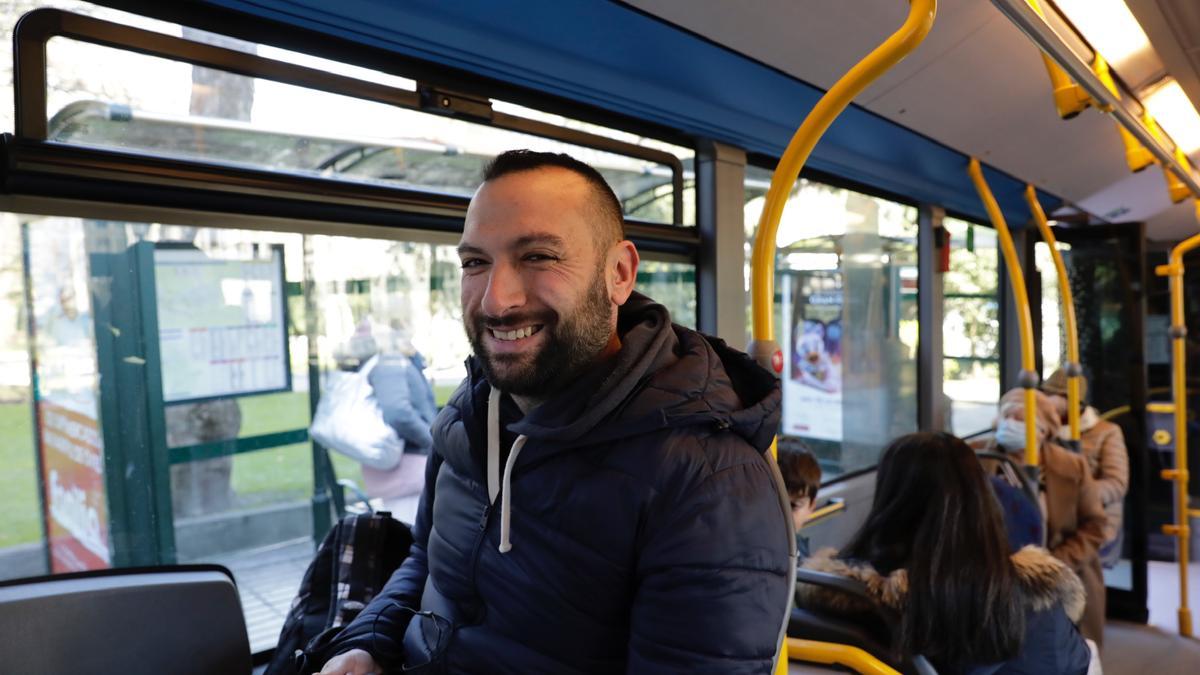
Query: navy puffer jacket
[{"x": 647, "y": 530}]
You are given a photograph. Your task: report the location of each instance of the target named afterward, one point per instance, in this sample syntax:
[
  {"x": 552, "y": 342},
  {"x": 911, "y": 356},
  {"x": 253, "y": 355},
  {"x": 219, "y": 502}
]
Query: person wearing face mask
[
  {"x": 1102, "y": 444},
  {"x": 1070, "y": 498}
]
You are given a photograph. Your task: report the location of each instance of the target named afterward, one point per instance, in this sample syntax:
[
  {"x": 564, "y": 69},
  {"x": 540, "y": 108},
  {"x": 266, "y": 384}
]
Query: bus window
[
  {"x": 1054, "y": 352},
  {"x": 240, "y": 479},
  {"x": 173, "y": 109},
  {"x": 673, "y": 284},
  {"x": 971, "y": 328},
  {"x": 846, "y": 318}
]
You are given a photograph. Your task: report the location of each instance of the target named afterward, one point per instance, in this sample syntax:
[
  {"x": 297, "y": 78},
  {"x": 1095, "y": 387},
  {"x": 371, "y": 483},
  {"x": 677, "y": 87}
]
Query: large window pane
[
  {"x": 176, "y": 110},
  {"x": 673, "y": 285},
  {"x": 846, "y": 317},
  {"x": 971, "y": 327}
]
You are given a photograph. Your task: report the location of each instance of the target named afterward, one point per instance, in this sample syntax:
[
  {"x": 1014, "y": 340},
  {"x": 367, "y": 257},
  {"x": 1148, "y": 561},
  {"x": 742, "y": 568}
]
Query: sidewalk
[{"x": 267, "y": 580}]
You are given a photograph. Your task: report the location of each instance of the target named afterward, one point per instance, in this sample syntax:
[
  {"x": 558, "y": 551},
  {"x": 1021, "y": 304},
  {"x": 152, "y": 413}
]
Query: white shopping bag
[{"x": 348, "y": 420}]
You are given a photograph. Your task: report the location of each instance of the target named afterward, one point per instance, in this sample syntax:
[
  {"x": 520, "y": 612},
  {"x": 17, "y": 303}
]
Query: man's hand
[{"x": 353, "y": 662}]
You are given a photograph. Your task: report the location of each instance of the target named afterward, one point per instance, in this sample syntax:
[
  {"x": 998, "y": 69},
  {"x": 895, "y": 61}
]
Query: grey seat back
[{"x": 177, "y": 620}]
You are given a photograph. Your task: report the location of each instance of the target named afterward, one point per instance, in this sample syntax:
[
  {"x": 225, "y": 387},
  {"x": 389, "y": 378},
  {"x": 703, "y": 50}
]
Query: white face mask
[{"x": 1010, "y": 433}]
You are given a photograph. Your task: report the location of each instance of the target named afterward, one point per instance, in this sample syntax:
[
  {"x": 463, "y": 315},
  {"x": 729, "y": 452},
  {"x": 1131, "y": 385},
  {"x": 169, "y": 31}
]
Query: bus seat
[
  {"x": 1018, "y": 497},
  {"x": 183, "y": 619},
  {"x": 869, "y": 631}
]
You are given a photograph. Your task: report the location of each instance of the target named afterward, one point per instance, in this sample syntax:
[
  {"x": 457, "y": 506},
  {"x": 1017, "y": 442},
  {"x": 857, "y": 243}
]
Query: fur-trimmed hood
[{"x": 1046, "y": 581}]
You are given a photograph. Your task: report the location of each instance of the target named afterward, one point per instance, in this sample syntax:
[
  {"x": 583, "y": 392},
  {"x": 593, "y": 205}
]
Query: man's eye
[
  {"x": 469, "y": 263},
  {"x": 540, "y": 257}
]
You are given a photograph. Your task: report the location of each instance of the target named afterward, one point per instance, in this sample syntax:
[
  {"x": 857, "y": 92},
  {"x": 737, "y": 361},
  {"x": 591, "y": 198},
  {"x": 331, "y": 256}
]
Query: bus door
[{"x": 1107, "y": 271}]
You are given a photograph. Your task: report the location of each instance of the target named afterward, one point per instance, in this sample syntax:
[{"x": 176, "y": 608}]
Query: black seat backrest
[
  {"x": 181, "y": 620},
  {"x": 871, "y": 631}
]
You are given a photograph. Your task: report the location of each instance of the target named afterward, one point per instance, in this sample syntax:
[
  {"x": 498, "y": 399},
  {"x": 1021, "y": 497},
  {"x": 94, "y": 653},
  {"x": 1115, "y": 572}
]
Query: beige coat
[
  {"x": 1103, "y": 445},
  {"x": 1075, "y": 522}
]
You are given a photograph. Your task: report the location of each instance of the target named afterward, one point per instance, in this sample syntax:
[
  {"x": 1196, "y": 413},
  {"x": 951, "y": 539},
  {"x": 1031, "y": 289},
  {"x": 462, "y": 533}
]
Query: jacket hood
[
  {"x": 664, "y": 376},
  {"x": 1045, "y": 580}
]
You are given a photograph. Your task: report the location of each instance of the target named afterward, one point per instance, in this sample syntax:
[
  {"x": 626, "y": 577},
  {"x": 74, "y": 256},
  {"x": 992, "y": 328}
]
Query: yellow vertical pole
[
  {"x": 1073, "y": 368},
  {"x": 763, "y": 346},
  {"x": 1029, "y": 378},
  {"x": 1174, "y": 270}
]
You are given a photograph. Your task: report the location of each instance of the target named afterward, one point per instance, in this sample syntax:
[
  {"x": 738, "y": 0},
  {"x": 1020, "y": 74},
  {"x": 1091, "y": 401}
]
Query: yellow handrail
[
  {"x": 896, "y": 47},
  {"x": 830, "y": 654},
  {"x": 1029, "y": 379},
  {"x": 763, "y": 347},
  {"x": 825, "y": 511},
  {"x": 1072, "y": 368},
  {"x": 1174, "y": 270}
]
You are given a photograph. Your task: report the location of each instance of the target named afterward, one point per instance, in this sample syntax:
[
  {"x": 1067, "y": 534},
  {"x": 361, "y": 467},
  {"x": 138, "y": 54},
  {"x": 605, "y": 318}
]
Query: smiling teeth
[{"x": 513, "y": 334}]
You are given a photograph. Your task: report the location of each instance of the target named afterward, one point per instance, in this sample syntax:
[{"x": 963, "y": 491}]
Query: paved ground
[{"x": 267, "y": 580}]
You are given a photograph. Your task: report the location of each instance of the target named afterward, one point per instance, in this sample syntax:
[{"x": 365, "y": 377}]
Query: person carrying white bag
[{"x": 380, "y": 415}]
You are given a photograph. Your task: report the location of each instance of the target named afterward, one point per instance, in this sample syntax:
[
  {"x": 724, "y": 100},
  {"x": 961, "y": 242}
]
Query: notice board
[{"x": 222, "y": 324}]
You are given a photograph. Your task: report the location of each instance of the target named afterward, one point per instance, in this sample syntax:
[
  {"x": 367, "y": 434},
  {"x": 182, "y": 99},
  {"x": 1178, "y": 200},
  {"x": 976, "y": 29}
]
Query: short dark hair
[
  {"x": 801, "y": 473},
  {"x": 606, "y": 205}
]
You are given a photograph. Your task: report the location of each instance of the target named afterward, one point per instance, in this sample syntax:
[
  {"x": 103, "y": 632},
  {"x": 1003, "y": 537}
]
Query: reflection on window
[
  {"x": 175, "y": 110},
  {"x": 971, "y": 328},
  {"x": 846, "y": 317}
]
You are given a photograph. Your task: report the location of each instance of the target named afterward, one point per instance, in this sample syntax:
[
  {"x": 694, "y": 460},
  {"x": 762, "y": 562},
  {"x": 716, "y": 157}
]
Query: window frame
[{"x": 36, "y": 28}]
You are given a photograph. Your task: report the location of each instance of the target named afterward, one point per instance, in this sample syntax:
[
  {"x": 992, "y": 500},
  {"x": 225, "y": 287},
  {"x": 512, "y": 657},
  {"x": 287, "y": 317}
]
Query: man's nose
[{"x": 505, "y": 291}]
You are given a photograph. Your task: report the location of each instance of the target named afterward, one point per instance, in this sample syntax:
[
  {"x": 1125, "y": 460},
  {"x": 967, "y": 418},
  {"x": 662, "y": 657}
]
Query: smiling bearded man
[{"x": 597, "y": 499}]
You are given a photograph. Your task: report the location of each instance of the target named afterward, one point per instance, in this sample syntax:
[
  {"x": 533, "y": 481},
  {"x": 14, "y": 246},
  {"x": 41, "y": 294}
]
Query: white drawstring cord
[
  {"x": 493, "y": 444},
  {"x": 493, "y": 469},
  {"x": 506, "y": 496}
]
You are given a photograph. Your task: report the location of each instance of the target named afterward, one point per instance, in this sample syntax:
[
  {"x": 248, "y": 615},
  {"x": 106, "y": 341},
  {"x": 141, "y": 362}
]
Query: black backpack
[{"x": 354, "y": 561}]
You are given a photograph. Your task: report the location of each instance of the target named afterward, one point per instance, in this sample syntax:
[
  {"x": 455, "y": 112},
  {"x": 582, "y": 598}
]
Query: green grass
[
  {"x": 21, "y": 520},
  {"x": 284, "y": 473},
  {"x": 442, "y": 392},
  {"x": 260, "y": 478}
]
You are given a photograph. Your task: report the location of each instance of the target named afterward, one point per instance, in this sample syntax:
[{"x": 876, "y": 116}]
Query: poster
[
  {"x": 66, "y": 396},
  {"x": 221, "y": 325},
  {"x": 812, "y": 397}
]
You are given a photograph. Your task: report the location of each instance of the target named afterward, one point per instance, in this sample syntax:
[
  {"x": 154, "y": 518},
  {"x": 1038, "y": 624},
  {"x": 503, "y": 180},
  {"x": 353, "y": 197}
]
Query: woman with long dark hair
[{"x": 933, "y": 551}]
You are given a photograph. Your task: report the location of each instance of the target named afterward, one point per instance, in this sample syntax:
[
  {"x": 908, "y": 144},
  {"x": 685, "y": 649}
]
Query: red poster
[{"x": 76, "y": 507}]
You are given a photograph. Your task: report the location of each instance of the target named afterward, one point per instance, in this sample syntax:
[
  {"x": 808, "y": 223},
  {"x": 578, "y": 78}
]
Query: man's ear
[{"x": 621, "y": 268}]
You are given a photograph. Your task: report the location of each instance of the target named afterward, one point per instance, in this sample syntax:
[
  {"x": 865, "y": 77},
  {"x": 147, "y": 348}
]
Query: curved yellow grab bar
[
  {"x": 1072, "y": 368},
  {"x": 762, "y": 262},
  {"x": 1029, "y": 378},
  {"x": 897, "y": 46},
  {"x": 830, "y": 654},
  {"x": 1174, "y": 270}
]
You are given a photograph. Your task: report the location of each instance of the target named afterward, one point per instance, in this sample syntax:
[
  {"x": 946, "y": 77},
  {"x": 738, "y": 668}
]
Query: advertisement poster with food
[{"x": 812, "y": 399}]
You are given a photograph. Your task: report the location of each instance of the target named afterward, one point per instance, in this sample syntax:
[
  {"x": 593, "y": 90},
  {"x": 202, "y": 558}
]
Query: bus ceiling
[{"x": 913, "y": 113}]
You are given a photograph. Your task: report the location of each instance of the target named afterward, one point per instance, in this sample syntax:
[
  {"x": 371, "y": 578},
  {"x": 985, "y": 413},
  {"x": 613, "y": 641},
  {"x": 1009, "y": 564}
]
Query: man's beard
[{"x": 571, "y": 344}]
